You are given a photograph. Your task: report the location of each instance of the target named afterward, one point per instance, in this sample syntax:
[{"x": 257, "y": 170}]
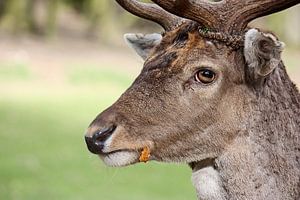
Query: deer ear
[
  {"x": 142, "y": 44},
  {"x": 262, "y": 53}
]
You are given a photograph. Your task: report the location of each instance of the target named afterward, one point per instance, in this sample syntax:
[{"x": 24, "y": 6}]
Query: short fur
[{"x": 247, "y": 121}]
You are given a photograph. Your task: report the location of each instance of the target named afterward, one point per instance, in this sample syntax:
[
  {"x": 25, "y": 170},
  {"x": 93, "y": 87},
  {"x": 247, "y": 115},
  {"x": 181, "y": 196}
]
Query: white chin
[{"x": 120, "y": 158}]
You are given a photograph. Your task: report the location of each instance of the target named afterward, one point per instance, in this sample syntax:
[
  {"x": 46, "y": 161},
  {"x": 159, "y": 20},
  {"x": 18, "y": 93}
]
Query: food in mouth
[{"x": 145, "y": 155}]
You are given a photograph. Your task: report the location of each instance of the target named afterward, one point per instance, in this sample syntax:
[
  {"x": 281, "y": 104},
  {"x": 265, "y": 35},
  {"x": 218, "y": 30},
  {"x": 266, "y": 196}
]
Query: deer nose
[{"x": 95, "y": 143}]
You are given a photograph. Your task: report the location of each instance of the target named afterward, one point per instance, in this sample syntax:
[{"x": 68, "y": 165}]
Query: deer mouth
[
  {"x": 117, "y": 154},
  {"x": 119, "y": 158}
]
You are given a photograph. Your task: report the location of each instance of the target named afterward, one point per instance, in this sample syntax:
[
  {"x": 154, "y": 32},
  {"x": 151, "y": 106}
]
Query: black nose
[{"x": 95, "y": 143}]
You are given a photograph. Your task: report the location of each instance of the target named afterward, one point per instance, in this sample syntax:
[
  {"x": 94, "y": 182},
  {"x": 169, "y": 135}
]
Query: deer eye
[{"x": 205, "y": 76}]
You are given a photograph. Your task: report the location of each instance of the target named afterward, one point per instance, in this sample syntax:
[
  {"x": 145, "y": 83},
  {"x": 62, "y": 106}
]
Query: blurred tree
[
  {"x": 14, "y": 15},
  {"x": 52, "y": 11},
  {"x": 31, "y": 17},
  {"x": 2, "y": 7},
  {"x": 99, "y": 14},
  {"x": 103, "y": 18}
]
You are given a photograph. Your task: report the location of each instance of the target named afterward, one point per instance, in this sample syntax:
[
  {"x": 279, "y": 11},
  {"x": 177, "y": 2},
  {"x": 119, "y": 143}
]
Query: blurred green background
[{"x": 61, "y": 63}]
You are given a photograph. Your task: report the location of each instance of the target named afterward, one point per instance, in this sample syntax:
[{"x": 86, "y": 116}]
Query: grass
[
  {"x": 95, "y": 75},
  {"x": 43, "y": 154}
]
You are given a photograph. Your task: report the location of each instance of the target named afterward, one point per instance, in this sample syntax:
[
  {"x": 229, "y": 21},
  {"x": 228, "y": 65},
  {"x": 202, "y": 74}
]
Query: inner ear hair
[
  {"x": 262, "y": 52},
  {"x": 141, "y": 43}
]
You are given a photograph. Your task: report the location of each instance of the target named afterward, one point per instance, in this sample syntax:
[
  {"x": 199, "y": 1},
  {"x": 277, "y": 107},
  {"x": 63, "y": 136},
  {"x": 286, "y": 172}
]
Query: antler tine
[
  {"x": 243, "y": 12},
  {"x": 202, "y": 11},
  {"x": 229, "y": 16},
  {"x": 151, "y": 12}
]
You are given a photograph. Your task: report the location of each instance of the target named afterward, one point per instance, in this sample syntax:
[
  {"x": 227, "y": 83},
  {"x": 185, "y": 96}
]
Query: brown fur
[{"x": 250, "y": 130}]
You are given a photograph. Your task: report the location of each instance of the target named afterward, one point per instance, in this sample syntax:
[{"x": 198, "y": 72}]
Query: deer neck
[
  {"x": 264, "y": 161},
  {"x": 207, "y": 180}
]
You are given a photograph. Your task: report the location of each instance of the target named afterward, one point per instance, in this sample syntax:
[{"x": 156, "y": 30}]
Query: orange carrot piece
[{"x": 145, "y": 155}]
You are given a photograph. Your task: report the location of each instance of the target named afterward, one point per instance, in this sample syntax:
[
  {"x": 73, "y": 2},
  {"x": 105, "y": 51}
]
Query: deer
[{"x": 214, "y": 94}]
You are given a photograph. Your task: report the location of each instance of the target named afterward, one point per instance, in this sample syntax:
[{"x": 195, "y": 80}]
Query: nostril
[
  {"x": 93, "y": 147},
  {"x": 103, "y": 134},
  {"x": 95, "y": 143}
]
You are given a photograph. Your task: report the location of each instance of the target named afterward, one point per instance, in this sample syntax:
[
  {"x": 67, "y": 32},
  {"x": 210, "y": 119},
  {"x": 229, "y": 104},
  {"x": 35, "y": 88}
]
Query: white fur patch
[
  {"x": 120, "y": 158},
  {"x": 208, "y": 184},
  {"x": 249, "y": 49},
  {"x": 107, "y": 144},
  {"x": 117, "y": 158}
]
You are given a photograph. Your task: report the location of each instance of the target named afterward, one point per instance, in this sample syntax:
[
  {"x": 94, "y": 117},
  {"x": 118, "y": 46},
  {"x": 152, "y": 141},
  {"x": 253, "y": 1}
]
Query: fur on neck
[{"x": 263, "y": 162}]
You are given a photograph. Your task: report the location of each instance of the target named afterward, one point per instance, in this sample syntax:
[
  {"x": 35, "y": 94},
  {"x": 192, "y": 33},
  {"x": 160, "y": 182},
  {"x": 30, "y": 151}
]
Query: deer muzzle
[{"x": 95, "y": 143}]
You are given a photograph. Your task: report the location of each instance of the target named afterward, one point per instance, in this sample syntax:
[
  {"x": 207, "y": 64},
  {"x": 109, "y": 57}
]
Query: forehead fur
[
  {"x": 186, "y": 36},
  {"x": 185, "y": 46}
]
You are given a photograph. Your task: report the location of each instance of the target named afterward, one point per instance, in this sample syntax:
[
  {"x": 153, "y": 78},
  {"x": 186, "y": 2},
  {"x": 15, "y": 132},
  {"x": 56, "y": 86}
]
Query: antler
[
  {"x": 151, "y": 12},
  {"x": 227, "y": 15},
  {"x": 244, "y": 12},
  {"x": 201, "y": 11}
]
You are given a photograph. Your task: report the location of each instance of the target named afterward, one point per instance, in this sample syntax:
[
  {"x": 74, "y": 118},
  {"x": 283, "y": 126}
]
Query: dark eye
[{"x": 205, "y": 76}]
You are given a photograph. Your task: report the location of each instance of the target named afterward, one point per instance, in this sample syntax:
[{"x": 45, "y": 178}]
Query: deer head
[{"x": 195, "y": 93}]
